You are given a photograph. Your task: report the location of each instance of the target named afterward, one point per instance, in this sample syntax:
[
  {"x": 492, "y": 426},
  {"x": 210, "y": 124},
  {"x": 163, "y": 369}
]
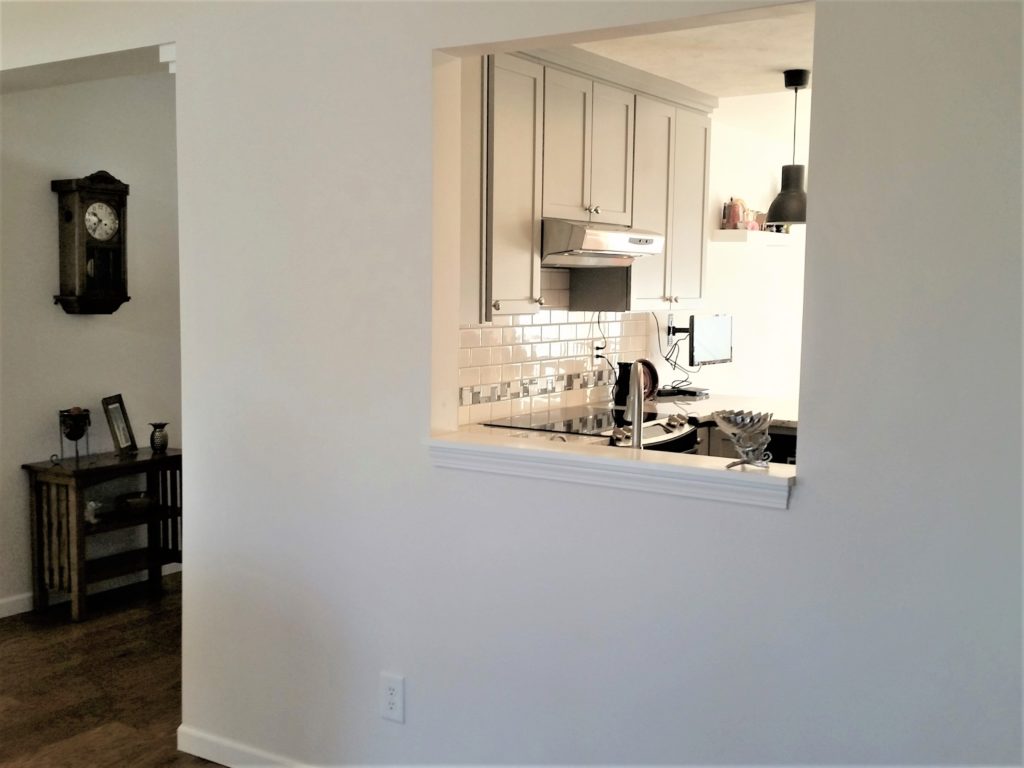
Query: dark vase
[{"x": 158, "y": 437}]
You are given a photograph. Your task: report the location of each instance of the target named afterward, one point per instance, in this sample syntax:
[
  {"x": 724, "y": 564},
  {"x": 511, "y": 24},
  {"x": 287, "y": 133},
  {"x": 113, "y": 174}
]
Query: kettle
[
  {"x": 734, "y": 214},
  {"x": 621, "y": 392}
]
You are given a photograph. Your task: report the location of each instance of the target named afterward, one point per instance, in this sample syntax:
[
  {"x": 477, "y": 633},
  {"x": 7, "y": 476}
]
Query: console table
[{"x": 59, "y": 526}]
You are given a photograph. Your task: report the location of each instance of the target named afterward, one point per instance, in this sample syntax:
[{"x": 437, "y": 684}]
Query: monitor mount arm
[{"x": 672, "y": 330}]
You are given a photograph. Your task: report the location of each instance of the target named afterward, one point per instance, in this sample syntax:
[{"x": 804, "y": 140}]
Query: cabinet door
[
  {"x": 687, "y": 251},
  {"x": 652, "y": 199},
  {"x": 567, "y": 132},
  {"x": 611, "y": 174},
  {"x": 515, "y": 101},
  {"x": 473, "y": 191}
]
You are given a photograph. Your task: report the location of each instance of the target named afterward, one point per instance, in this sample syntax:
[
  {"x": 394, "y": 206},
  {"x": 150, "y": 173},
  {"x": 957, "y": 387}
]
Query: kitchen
[{"x": 530, "y": 360}]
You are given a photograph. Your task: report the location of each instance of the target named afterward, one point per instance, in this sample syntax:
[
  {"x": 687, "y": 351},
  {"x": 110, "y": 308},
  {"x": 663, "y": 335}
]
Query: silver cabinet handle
[
  {"x": 540, "y": 300},
  {"x": 589, "y": 209},
  {"x": 675, "y": 299},
  {"x": 597, "y": 209},
  {"x": 496, "y": 305}
]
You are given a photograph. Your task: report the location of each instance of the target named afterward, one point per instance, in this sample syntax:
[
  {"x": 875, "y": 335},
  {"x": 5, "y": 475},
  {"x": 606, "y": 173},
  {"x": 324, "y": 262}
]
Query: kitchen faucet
[{"x": 635, "y": 404}]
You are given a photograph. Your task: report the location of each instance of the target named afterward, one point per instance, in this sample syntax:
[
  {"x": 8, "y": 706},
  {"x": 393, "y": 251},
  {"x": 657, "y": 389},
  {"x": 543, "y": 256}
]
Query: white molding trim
[
  {"x": 15, "y": 604},
  {"x": 697, "y": 477},
  {"x": 169, "y": 56},
  {"x": 227, "y": 751}
]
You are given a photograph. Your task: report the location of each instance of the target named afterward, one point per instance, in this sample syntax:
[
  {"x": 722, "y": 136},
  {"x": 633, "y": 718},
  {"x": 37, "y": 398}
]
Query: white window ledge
[{"x": 524, "y": 454}]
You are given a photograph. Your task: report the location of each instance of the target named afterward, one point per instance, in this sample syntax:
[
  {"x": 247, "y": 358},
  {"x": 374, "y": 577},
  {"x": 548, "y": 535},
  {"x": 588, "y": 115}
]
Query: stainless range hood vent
[{"x": 580, "y": 244}]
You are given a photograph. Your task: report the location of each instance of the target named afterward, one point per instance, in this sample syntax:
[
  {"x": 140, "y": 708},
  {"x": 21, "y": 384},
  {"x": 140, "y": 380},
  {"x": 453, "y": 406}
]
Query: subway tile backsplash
[{"x": 528, "y": 363}]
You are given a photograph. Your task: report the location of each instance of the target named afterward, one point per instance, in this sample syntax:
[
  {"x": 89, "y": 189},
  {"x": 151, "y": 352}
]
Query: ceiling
[
  {"x": 136, "y": 61},
  {"x": 739, "y": 58}
]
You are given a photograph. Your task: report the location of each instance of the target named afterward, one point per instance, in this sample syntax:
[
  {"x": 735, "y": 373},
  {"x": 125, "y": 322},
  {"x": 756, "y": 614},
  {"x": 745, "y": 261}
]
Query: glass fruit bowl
[{"x": 749, "y": 435}]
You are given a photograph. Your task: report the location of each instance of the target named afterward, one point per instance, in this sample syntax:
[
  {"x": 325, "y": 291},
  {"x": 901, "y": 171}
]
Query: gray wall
[{"x": 875, "y": 621}]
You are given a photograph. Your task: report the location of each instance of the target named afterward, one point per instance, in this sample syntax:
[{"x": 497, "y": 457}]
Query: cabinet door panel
[
  {"x": 473, "y": 193},
  {"x": 690, "y": 204},
  {"x": 652, "y": 199},
  {"x": 611, "y": 176},
  {"x": 567, "y": 130},
  {"x": 515, "y": 101}
]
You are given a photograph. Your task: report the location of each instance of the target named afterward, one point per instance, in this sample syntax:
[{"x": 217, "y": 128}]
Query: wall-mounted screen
[{"x": 710, "y": 339}]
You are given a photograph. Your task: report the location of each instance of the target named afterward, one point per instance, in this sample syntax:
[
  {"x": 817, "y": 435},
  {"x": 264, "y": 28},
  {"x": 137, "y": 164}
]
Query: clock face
[{"x": 101, "y": 221}]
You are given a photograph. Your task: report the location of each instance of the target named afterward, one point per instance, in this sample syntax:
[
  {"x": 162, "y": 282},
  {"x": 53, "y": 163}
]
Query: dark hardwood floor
[{"x": 105, "y": 692}]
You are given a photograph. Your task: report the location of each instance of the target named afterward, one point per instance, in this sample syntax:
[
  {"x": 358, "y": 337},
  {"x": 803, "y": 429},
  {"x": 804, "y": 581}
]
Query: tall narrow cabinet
[
  {"x": 515, "y": 105},
  {"x": 688, "y": 251},
  {"x": 652, "y": 200},
  {"x": 669, "y": 195}
]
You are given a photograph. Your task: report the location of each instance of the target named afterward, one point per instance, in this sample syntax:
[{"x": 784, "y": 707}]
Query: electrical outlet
[
  {"x": 392, "y": 697},
  {"x": 668, "y": 329}
]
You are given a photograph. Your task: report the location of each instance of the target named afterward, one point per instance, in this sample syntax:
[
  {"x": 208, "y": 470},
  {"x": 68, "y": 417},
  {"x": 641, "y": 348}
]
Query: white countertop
[
  {"x": 783, "y": 410},
  {"x": 590, "y": 460}
]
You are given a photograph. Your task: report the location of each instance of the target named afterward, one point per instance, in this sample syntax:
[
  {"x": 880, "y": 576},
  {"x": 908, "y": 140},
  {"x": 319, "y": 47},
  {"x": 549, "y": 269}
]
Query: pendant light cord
[{"x": 795, "y": 92}]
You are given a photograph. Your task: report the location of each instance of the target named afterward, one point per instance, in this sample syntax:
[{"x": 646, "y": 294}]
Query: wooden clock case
[{"x": 93, "y": 273}]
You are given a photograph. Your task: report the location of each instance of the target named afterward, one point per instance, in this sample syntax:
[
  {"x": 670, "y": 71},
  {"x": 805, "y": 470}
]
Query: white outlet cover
[{"x": 392, "y": 697}]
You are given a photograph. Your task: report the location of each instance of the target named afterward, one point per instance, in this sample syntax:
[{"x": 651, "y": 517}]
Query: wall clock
[{"x": 91, "y": 215}]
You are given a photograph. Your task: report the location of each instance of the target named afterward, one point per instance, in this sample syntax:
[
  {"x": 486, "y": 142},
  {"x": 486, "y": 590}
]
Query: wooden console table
[{"x": 59, "y": 527}]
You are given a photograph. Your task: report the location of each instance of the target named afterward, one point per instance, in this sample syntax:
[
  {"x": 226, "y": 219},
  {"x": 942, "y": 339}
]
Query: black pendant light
[{"x": 790, "y": 205}]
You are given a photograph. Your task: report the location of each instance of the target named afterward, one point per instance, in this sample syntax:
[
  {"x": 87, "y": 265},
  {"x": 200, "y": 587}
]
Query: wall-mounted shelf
[{"x": 750, "y": 236}]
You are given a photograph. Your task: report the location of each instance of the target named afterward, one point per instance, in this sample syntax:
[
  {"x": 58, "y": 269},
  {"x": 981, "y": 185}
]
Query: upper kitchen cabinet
[
  {"x": 688, "y": 244},
  {"x": 652, "y": 200},
  {"x": 515, "y": 101},
  {"x": 538, "y": 141},
  {"x": 588, "y": 150},
  {"x": 669, "y": 196}
]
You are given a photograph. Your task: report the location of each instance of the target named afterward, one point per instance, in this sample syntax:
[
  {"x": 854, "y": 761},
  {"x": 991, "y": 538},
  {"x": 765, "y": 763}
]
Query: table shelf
[
  {"x": 126, "y": 517},
  {"x": 123, "y": 564}
]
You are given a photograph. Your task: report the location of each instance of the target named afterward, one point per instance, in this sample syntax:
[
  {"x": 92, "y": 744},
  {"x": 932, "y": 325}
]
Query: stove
[{"x": 661, "y": 432}]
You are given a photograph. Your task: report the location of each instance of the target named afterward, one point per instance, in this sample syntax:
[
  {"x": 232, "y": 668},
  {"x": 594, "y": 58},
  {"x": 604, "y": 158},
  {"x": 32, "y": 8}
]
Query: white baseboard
[
  {"x": 236, "y": 755},
  {"x": 15, "y": 604},
  {"x": 228, "y": 752},
  {"x": 9, "y": 606}
]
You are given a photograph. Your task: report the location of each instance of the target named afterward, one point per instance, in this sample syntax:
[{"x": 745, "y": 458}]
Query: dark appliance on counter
[
  {"x": 661, "y": 432},
  {"x": 621, "y": 393}
]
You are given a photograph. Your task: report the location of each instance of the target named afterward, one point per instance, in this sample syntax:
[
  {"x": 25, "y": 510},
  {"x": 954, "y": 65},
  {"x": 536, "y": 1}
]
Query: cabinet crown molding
[{"x": 588, "y": 64}]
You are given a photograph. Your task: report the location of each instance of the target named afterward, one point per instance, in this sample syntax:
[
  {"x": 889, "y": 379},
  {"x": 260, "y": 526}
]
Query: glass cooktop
[{"x": 580, "y": 420}]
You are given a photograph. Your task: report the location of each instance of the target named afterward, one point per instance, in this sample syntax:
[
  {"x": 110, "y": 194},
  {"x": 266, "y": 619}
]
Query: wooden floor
[{"x": 105, "y": 692}]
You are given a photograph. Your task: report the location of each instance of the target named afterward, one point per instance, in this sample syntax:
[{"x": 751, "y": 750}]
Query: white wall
[
  {"x": 52, "y": 360},
  {"x": 876, "y": 621}
]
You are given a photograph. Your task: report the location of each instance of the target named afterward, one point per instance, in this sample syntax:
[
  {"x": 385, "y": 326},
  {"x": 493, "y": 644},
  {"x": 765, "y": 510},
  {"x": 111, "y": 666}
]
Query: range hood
[{"x": 580, "y": 244}]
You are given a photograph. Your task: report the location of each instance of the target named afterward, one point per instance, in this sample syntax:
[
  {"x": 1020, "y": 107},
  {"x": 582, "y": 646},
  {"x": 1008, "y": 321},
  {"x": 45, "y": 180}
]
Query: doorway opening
[{"x": 62, "y": 120}]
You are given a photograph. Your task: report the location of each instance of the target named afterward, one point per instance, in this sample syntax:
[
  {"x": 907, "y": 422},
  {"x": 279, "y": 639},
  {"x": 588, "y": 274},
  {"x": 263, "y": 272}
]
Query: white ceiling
[
  {"x": 738, "y": 58},
  {"x": 136, "y": 61}
]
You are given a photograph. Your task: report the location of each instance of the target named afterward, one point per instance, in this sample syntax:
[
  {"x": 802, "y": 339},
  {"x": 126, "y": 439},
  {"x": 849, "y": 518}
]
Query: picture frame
[{"x": 120, "y": 426}]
